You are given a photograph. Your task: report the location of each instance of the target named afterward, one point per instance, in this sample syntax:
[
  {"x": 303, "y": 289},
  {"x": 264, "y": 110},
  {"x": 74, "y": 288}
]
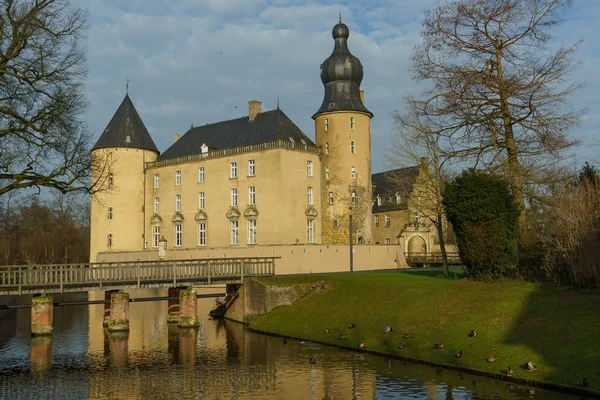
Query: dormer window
[
  {"x": 292, "y": 140},
  {"x": 379, "y": 200},
  {"x": 127, "y": 139},
  {"x": 204, "y": 148},
  {"x": 398, "y": 198}
]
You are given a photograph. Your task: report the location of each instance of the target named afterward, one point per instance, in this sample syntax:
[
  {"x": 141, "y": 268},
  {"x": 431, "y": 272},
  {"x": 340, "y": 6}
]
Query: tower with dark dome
[{"x": 343, "y": 133}]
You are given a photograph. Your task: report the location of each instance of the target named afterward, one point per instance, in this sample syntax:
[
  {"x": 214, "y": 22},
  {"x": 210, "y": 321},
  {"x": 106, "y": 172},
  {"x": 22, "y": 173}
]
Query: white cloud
[{"x": 200, "y": 61}]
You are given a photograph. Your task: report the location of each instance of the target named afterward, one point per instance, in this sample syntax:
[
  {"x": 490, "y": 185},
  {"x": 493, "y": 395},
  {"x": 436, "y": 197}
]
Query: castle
[{"x": 252, "y": 181}]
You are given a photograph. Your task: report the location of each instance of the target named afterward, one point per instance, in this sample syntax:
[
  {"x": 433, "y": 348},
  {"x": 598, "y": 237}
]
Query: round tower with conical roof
[
  {"x": 119, "y": 157},
  {"x": 343, "y": 133}
]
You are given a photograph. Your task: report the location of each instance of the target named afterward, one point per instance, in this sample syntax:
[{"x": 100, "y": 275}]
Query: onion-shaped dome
[
  {"x": 341, "y": 74},
  {"x": 341, "y": 64}
]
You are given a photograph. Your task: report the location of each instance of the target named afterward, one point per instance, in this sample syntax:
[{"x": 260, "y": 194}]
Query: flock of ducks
[{"x": 529, "y": 365}]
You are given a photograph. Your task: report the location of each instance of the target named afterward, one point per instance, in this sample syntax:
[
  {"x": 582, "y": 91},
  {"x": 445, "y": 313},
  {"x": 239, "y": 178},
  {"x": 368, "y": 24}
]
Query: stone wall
[
  {"x": 301, "y": 259},
  {"x": 256, "y": 299}
]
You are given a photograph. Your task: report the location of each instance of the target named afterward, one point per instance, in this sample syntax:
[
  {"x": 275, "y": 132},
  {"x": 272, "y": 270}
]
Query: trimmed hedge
[{"x": 484, "y": 215}]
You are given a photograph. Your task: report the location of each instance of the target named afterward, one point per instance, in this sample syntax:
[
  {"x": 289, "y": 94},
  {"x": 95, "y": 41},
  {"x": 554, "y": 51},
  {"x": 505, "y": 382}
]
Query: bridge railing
[
  {"x": 133, "y": 272},
  {"x": 431, "y": 256}
]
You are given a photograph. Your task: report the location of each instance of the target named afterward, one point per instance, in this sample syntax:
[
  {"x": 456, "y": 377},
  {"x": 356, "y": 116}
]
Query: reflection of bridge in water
[{"x": 432, "y": 258}]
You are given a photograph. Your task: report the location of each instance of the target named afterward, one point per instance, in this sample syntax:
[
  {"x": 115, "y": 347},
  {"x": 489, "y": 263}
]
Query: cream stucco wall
[
  {"x": 126, "y": 197},
  {"x": 339, "y": 159},
  {"x": 281, "y": 183},
  {"x": 294, "y": 259}
]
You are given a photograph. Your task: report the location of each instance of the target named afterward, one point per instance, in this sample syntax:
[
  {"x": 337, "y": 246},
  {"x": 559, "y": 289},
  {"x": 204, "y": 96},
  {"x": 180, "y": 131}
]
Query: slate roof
[
  {"x": 341, "y": 74},
  {"x": 268, "y": 126},
  {"x": 387, "y": 184},
  {"x": 126, "y": 129}
]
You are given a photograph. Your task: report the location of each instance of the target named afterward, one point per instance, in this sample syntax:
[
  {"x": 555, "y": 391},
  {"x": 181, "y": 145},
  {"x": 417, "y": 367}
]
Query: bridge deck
[{"x": 60, "y": 278}]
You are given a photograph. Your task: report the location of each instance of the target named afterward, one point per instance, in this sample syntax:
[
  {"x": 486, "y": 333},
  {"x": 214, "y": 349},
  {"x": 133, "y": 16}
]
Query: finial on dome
[
  {"x": 340, "y": 13},
  {"x": 127, "y": 87}
]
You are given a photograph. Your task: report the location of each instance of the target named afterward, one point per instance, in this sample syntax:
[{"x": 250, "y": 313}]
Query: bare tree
[
  {"x": 496, "y": 91},
  {"x": 413, "y": 142},
  {"x": 43, "y": 141}
]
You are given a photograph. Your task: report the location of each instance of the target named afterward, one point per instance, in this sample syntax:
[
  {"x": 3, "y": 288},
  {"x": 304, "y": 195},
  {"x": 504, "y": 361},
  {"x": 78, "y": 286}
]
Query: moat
[{"x": 220, "y": 360}]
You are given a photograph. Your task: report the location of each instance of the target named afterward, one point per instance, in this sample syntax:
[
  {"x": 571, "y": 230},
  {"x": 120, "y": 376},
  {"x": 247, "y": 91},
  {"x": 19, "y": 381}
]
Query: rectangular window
[
  {"x": 309, "y": 194},
  {"x": 251, "y": 195},
  {"x": 327, "y": 174},
  {"x": 201, "y": 203},
  {"x": 156, "y": 181},
  {"x": 202, "y": 234},
  {"x": 309, "y": 171},
  {"x": 377, "y": 221},
  {"x": 353, "y": 198},
  {"x": 156, "y": 205},
  {"x": 352, "y": 147},
  {"x": 110, "y": 179},
  {"x": 310, "y": 231},
  {"x": 387, "y": 220},
  {"x": 178, "y": 202},
  {"x": 109, "y": 240},
  {"x": 252, "y": 231},
  {"x": 326, "y": 147},
  {"x": 177, "y": 178},
  {"x": 326, "y": 124},
  {"x": 233, "y": 170},
  {"x": 201, "y": 174},
  {"x": 330, "y": 198},
  {"x": 335, "y": 223},
  {"x": 352, "y": 123},
  {"x": 388, "y": 241},
  {"x": 379, "y": 200},
  {"x": 353, "y": 172},
  {"x": 251, "y": 168},
  {"x": 110, "y": 213},
  {"x": 235, "y": 237},
  {"x": 234, "y": 194},
  {"x": 178, "y": 235},
  {"x": 155, "y": 235}
]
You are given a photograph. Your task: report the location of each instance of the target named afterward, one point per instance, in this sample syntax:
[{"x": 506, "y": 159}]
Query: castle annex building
[{"x": 256, "y": 180}]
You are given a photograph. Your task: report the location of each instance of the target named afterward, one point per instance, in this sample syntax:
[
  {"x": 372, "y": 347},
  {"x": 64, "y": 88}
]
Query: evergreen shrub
[{"x": 484, "y": 215}]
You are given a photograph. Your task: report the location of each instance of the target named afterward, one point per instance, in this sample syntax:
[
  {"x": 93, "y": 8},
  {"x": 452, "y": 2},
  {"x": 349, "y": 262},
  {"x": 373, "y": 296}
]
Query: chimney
[
  {"x": 254, "y": 108},
  {"x": 177, "y": 137},
  {"x": 362, "y": 96}
]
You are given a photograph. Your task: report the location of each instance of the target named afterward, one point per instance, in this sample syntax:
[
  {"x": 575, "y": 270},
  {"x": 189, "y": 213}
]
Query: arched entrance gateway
[{"x": 416, "y": 244}]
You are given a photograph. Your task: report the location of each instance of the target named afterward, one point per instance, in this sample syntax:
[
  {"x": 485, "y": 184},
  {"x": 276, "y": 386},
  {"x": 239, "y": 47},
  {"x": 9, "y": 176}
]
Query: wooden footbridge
[
  {"x": 432, "y": 258},
  {"x": 61, "y": 278}
]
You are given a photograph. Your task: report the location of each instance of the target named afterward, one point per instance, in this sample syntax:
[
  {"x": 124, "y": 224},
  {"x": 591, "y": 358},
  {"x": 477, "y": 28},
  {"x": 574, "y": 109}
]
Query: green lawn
[{"x": 557, "y": 329}]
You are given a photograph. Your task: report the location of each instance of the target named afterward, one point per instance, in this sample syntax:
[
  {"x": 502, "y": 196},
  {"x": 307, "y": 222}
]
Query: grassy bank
[{"x": 559, "y": 330}]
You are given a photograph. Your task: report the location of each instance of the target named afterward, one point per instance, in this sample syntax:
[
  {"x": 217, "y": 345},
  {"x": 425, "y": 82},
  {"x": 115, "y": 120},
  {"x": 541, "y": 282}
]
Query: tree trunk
[
  {"x": 514, "y": 168},
  {"x": 439, "y": 225}
]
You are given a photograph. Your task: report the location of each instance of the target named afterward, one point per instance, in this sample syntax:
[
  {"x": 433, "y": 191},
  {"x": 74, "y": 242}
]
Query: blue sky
[{"x": 201, "y": 61}]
